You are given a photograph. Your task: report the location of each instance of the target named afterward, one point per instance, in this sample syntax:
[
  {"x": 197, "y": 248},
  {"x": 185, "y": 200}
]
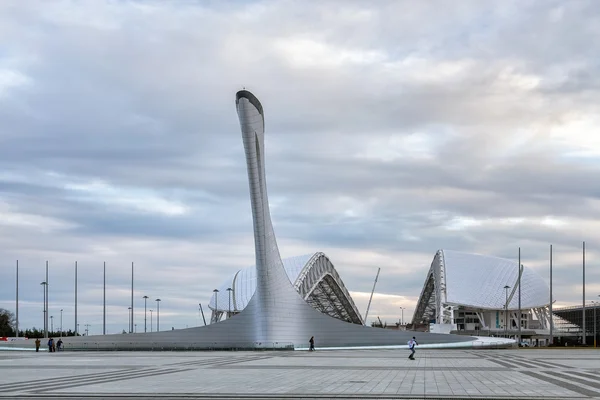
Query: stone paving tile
[{"x": 463, "y": 374}]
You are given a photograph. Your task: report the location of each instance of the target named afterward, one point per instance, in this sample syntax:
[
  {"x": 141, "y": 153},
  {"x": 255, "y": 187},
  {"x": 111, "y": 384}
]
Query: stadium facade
[
  {"x": 476, "y": 294},
  {"x": 276, "y": 316}
]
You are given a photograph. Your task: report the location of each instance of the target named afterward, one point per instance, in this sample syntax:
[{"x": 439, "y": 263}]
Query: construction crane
[{"x": 371, "y": 298}]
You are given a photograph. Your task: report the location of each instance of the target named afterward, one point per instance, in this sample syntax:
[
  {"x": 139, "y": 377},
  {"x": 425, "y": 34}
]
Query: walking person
[
  {"x": 411, "y": 345},
  {"x": 50, "y": 345},
  {"x": 312, "y": 343},
  {"x": 59, "y": 345},
  {"x": 37, "y": 345}
]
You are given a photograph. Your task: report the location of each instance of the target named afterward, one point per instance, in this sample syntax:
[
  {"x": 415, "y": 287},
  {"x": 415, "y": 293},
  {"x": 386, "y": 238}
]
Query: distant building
[{"x": 479, "y": 295}]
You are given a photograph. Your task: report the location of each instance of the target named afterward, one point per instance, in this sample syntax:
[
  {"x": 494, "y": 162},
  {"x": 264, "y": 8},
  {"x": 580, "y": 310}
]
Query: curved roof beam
[{"x": 320, "y": 268}]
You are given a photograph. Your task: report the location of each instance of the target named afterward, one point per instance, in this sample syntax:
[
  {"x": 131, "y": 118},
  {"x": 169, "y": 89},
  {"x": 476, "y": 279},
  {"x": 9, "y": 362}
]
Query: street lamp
[
  {"x": 158, "y": 314},
  {"x": 150, "y": 320},
  {"x": 402, "y": 317},
  {"x": 506, "y": 310},
  {"x": 87, "y": 329},
  {"x": 229, "y": 312},
  {"x": 44, "y": 286},
  {"x": 52, "y": 325},
  {"x": 216, "y": 291},
  {"x": 595, "y": 306},
  {"x": 61, "y": 331},
  {"x": 145, "y": 299}
]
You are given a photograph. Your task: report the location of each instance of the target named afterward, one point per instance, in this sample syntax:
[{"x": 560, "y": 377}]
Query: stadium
[
  {"x": 478, "y": 295},
  {"x": 313, "y": 276}
]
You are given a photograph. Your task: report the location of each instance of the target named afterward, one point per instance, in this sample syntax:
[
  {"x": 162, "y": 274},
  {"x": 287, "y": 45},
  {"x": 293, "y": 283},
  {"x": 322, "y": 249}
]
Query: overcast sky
[{"x": 393, "y": 129}]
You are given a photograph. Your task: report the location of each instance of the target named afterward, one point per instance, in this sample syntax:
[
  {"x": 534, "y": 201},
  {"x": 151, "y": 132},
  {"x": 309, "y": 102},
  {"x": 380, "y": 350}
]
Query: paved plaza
[{"x": 476, "y": 374}]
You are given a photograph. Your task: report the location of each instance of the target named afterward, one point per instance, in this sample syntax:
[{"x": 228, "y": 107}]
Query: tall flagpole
[
  {"x": 551, "y": 319},
  {"x": 76, "y": 299},
  {"x": 583, "y": 308},
  {"x": 17, "y": 300},
  {"x": 47, "y": 311},
  {"x": 104, "y": 304},
  {"x": 519, "y": 319},
  {"x": 131, "y": 328}
]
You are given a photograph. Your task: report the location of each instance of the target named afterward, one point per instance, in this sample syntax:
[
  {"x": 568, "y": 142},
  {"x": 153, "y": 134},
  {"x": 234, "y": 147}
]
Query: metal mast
[
  {"x": 551, "y": 319},
  {"x": 371, "y": 298}
]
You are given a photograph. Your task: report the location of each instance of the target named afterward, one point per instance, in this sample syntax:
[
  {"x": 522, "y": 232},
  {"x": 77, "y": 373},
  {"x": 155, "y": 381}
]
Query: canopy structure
[
  {"x": 313, "y": 276},
  {"x": 480, "y": 283}
]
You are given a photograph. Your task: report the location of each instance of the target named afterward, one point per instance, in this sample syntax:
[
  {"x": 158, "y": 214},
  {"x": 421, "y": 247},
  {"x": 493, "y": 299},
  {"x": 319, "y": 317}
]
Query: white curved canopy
[
  {"x": 243, "y": 284},
  {"x": 479, "y": 282}
]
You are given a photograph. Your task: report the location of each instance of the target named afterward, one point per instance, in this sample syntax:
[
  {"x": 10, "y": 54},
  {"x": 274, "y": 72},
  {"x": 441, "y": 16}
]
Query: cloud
[{"x": 392, "y": 131}]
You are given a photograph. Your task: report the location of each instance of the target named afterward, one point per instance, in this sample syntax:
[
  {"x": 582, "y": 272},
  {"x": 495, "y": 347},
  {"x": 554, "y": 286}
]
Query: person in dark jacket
[{"x": 312, "y": 343}]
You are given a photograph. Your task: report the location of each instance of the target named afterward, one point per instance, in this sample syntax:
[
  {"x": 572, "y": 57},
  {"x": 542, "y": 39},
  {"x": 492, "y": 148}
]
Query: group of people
[
  {"x": 52, "y": 347},
  {"x": 411, "y": 346}
]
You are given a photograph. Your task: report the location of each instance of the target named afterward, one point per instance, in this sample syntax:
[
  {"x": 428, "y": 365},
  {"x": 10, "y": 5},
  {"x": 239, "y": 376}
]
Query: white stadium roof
[
  {"x": 313, "y": 276},
  {"x": 243, "y": 284},
  {"x": 477, "y": 281}
]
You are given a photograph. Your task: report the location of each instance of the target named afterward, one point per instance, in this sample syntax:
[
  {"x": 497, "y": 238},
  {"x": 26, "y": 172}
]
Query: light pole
[
  {"x": 132, "y": 310},
  {"x": 551, "y": 342},
  {"x": 104, "y": 303},
  {"x": 130, "y": 328},
  {"x": 47, "y": 282},
  {"x": 583, "y": 330},
  {"x": 216, "y": 291},
  {"x": 506, "y": 287},
  {"x": 76, "y": 324},
  {"x": 44, "y": 285},
  {"x": 135, "y": 328},
  {"x": 87, "y": 329},
  {"x": 229, "y": 308},
  {"x": 52, "y": 325},
  {"x": 61, "y": 329},
  {"x": 17, "y": 302},
  {"x": 145, "y": 314},
  {"x": 595, "y": 306},
  {"x": 520, "y": 270},
  {"x": 150, "y": 320},
  {"x": 158, "y": 314}
]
